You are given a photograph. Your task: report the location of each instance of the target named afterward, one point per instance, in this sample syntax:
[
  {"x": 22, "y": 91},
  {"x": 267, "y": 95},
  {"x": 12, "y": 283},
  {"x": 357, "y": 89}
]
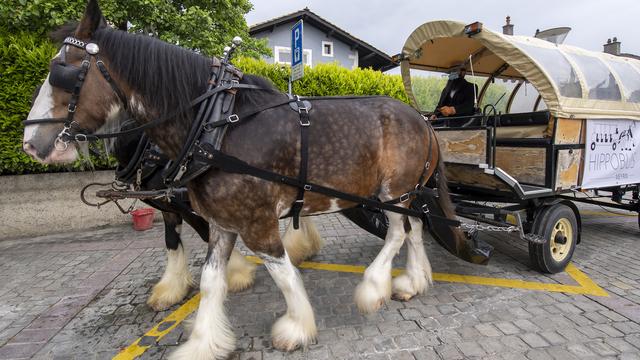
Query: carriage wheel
[{"x": 558, "y": 225}]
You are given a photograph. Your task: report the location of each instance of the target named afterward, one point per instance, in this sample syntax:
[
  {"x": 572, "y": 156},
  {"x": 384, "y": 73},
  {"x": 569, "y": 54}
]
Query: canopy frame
[{"x": 439, "y": 46}]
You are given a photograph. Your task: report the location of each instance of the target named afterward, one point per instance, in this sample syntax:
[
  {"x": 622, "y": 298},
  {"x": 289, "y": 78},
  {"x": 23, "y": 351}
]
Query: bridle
[{"x": 70, "y": 78}]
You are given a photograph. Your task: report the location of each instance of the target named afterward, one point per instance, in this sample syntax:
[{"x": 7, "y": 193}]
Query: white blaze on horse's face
[
  {"x": 39, "y": 139},
  {"x": 41, "y": 109}
]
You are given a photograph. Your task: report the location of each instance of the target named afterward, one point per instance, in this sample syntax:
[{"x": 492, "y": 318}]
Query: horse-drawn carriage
[
  {"x": 575, "y": 136},
  {"x": 250, "y": 155}
]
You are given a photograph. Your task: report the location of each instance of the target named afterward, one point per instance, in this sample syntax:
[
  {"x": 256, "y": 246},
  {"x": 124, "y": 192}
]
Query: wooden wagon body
[{"x": 534, "y": 164}]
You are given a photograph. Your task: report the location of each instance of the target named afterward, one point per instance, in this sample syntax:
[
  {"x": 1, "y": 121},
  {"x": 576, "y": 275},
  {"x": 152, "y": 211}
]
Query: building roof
[{"x": 368, "y": 56}]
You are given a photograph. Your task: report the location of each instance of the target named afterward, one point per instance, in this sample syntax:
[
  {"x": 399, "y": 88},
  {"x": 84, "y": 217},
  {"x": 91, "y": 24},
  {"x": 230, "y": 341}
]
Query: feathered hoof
[
  {"x": 289, "y": 334},
  {"x": 198, "y": 349},
  {"x": 169, "y": 292},
  {"x": 371, "y": 296},
  {"x": 240, "y": 272},
  {"x": 405, "y": 288}
]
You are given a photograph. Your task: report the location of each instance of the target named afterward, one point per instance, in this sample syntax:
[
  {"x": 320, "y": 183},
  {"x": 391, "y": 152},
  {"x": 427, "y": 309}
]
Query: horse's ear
[{"x": 91, "y": 21}]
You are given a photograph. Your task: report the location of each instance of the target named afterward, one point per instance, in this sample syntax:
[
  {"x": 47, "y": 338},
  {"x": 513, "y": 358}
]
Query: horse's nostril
[{"x": 28, "y": 148}]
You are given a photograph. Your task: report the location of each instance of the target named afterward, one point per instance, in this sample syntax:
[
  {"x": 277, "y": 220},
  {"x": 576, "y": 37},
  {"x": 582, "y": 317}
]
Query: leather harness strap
[
  {"x": 232, "y": 164},
  {"x": 304, "y": 160},
  {"x": 75, "y": 95},
  {"x": 178, "y": 167}
]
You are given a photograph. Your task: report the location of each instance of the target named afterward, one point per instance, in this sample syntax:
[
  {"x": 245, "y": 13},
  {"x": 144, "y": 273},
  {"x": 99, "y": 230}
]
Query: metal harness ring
[{"x": 65, "y": 144}]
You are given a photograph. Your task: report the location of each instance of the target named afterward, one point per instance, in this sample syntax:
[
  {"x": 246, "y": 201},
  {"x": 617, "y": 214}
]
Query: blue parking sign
[{"x": 297, "y": 66}]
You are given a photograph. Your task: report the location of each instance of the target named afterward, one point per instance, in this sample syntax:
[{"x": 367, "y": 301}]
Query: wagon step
[{"x": 523, "y": 191}]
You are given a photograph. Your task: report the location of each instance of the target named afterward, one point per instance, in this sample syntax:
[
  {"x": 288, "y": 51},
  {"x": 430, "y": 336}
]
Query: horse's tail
[
  {"x": 443, "y": 191},
  {"x": 444, "y": 200},
  {"x": 451, "y": 238}
]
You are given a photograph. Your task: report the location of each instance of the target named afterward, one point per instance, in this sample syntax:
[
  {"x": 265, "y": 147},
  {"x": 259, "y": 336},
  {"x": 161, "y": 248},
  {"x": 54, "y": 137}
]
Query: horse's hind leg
[
  {"x": 300, "y": 244},
  {"x": 212, "y": 336},
  {"x": 303, "y": 243},
  {"x": 417, "y": 276},
  {"x": 176, "y": 280},
  {"x": 375, "y": 288},
  {"x": 240, "y": 272},
  {"x": 297, "y": 327}
]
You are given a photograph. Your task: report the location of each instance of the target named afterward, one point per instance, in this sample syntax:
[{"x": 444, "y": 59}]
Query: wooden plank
[
  {"x": 568, "y": 131},
  {"x": 463, "y": 146},
  {"x": 471, "y": 175},
  {"x": 527, "y": 165},
  {"x": 568, "y": 168},
  {"x": 521, "y": 132}
]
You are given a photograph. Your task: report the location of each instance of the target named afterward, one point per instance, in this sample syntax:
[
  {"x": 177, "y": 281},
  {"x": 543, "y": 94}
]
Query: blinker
[{"x": 64, "y": 76}]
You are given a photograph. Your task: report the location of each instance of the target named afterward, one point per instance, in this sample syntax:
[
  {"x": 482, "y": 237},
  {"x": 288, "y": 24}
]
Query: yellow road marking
[
  {"x": 605, "y": 213},
  {"x": 585, "y": 286},
  {"x": 590, "y": 286},
  {"x": 167, "y": 324}
]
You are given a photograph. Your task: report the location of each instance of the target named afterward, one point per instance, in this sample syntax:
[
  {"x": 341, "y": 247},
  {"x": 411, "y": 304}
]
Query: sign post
[{"x": 297, "y": 65}]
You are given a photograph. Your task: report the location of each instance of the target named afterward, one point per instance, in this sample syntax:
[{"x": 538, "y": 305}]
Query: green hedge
[
  {"x": 328, "y": 79},
  {"x": 24, "y": 65},
  {"x": 24, "y": 61}
]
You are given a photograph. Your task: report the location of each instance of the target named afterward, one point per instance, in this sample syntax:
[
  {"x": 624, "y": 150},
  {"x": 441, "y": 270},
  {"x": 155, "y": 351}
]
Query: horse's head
[{"x": 76, "y": 97}]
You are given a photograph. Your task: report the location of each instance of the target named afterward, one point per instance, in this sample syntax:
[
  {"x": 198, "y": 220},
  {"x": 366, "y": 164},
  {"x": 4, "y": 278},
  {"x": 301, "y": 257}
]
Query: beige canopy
[{"x": 573, "y": 82}]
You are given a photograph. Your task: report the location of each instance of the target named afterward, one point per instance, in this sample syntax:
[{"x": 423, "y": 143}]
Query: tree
[{"x": 205, "y": 26}]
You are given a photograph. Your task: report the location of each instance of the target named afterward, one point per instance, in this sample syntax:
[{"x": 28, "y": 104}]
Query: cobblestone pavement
[{"x": 82, "y": 296}]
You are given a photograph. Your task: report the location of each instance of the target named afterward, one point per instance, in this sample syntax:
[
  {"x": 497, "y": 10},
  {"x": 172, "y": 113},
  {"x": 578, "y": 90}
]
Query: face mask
[{"x": 453, "y": 75}]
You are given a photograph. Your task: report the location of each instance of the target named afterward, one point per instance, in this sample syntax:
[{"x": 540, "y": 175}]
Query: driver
[{"x": 457, "y": 97}]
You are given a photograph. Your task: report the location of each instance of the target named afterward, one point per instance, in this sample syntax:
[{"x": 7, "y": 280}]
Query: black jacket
[{"x": 462, "y": 99}]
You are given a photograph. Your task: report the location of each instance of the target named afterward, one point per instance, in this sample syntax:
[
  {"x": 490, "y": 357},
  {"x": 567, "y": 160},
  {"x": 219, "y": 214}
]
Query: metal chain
[
  {"x": 476, "y": 227},
  {"x": 534, "y": 238}
]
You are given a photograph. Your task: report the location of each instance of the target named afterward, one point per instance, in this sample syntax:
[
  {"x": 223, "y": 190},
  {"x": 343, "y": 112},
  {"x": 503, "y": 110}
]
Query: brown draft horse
[
  {"x": 177, "y": 279},
  {"x": 366, "y": 147}
]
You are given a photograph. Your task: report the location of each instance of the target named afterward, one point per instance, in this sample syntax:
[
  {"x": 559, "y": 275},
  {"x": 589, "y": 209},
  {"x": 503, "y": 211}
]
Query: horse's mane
[
  {"x": 166, "y": 76},
  {"x": 254, "y": 98}
]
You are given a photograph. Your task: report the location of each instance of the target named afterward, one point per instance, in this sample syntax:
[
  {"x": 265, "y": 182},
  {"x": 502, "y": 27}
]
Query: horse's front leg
[
  {"x": 240, "y": 272},
  {"x": 212, "y": 336},
  {"x": 297, "y": 327},
  {"x": 176, "y": 280},
  {"x": 375, "y": 288}
]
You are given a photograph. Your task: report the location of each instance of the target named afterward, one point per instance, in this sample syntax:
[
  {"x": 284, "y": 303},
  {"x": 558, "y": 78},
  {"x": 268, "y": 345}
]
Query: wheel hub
[{"x": 561, "y": 238}]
